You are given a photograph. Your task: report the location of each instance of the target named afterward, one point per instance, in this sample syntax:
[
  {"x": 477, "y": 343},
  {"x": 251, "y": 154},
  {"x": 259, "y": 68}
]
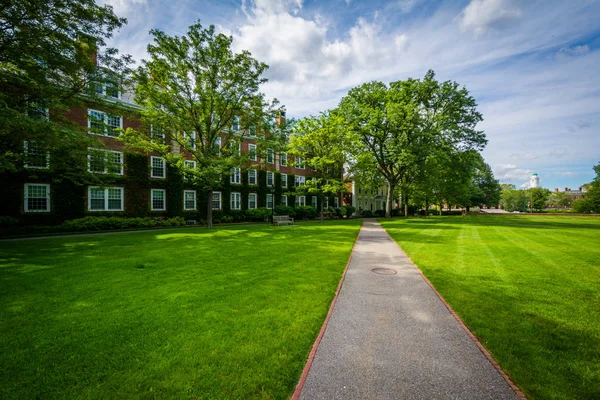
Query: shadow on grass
[{"x": 524, "y": 221}]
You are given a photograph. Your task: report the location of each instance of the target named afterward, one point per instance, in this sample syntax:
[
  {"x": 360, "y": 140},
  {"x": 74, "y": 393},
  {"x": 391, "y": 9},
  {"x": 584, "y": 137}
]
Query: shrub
[
  {"x": 349, "y": 211},
  {"x": 396, "y": 212},
  {"x": 303, "y": 212},
  {"x": 226, "y": 219},
  {"x": 285, "y": 210},
  {"x": 379, "y": 213},
  {"x": 366, "y": 213},
  {"x": 340, "y": 212},
  {"x": 7, "y": 222},
  {"x": 107, "y": 223},
  {"x": 582, "y": 206},
  {"x": 237, "y": 215},
  {"x": 258, "y": 214}
]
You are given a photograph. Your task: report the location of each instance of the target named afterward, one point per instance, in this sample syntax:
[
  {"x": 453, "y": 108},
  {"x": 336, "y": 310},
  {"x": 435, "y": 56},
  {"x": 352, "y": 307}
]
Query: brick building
[{"x": 130, "y": 184}]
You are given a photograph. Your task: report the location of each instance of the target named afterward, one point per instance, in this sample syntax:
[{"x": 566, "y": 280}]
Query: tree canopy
[
  {"x": 200, "y": 96},
  {"x": 52, "y": 57}
]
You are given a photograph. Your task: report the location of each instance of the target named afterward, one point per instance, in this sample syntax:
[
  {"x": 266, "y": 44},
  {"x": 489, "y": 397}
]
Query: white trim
[
  {"x": 252, "y": 195},
  {"x": 213, "y": 201},
  {"x": 105, "y": 198},
  {"x": 271, "y": 154},
  {"x": 252, "y": 152},
  {"x": 284, "y": 199},
  {"x": 235, "y": 201},
  {"x": 236, "y": 176},
  {"x": 314, "y": 201},
  {"x": 25, "y": 150},
  {"x": 300, "y": 201},
  {"x": 161, "y": 136},
  {"x": 105, "y": 116},
  {"x": 255, "y": 173},
  {"x": 191, "y": 139},
  {"x": 283, "y": 159},
  {"x": 282, "y": 180},
  {"x": 272, "y": 176},
  {"x": 270, "y": 195},
  {"x": 186, "y": 163},
  {"x": 164, "y": 167},
  {"x": 26, "y": 197},
  {"x": 106, "y": 161},
  {"x": 184, "y": 200},
  {"x": 300, "y": 163},
  {"x": 164, "y": 199},
  {"x": 300, "y": 180}
]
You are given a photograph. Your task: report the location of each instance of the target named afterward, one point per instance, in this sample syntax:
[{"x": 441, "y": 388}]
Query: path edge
[
  {"x": 474, "y": 338},
  {"x": 313, "y": 351}
]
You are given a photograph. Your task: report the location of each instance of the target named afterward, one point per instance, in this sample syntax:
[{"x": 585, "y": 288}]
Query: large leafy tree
[
  {"x": 52, "y": 58},
  {"x": 200, "y": 96},
  {"x": 401, "y": 125},
  {"x": 323, "y": 144}
]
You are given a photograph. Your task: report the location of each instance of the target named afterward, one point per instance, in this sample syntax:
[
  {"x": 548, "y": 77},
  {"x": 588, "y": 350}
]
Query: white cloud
[
  {"x": 483, "y": 15},
  {"x": 271, "y": 6},
  {"x": 568, "y": 174},
  {"x": 511, "y": 173},
  {"x": 125, "y": 7},
  {"x": 406, "y": 6},
  {"x": 524, "y": 156},
  {"x": 568, "y": 52}
]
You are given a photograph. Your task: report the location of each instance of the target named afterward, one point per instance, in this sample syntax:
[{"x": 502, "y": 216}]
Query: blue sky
[{"x": 533, "y": 66}]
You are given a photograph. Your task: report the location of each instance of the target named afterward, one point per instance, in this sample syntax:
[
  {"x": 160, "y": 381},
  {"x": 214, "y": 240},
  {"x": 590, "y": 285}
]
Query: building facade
[{"x": 130, "y": 184}]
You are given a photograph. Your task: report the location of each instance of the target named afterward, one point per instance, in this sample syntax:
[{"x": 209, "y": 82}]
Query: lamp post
[{"x": 272, "y": 188}]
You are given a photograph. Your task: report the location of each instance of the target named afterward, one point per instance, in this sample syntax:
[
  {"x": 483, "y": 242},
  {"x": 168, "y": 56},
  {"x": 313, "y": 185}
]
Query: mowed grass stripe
[
  {"x": 225, "y": 313},
  {"x": 529, "y": 294}
]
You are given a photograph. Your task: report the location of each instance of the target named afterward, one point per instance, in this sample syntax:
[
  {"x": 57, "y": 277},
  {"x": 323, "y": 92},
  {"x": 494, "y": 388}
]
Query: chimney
[
  {"x": 556, "y": 190},
  {"x": 566, "y": 189}
]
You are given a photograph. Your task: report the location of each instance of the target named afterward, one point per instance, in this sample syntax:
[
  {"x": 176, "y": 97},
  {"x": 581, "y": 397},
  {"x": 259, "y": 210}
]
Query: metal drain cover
[{"x": 384, "y": 271}]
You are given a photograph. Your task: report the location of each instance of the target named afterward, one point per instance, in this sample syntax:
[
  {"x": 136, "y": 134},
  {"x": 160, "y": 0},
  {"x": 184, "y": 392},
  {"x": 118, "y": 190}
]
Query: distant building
[
  {"x": 574, "y": 194},
  {"x": 534, "y": 181}
]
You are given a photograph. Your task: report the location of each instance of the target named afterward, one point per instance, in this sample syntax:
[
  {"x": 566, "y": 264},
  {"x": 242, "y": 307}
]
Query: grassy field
[
  {"x": 190, "y": 313},
  {"x": 527, "y": 286}
]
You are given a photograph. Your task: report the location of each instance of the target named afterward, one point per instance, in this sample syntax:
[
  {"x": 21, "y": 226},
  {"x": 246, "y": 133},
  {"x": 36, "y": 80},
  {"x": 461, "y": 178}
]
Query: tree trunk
[
  {"x": 441, "y": 205},
  {"x": 388, "y": 200},
  {"x": 426, "y": 205},
  {"x": 406, "y": 205},
  {"x": 322, "y": 204},
  {"x": 209, "y": 219}
]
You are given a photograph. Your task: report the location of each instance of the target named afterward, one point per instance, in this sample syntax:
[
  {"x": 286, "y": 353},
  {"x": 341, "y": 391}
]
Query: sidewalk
[{"x": 391, "y": 337}]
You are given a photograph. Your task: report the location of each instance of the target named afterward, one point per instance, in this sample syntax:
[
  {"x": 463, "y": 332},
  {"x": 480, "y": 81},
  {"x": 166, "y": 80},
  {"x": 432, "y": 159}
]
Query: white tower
[{"x": 534, "y": 181}]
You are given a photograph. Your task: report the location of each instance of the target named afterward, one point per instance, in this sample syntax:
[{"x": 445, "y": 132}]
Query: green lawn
[
  {"x": 527, "y": 286},
  {"x": 188, "y": 313}
]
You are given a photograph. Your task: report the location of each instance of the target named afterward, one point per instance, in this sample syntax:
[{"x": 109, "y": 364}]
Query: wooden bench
[{"x": 283, "y": 219}]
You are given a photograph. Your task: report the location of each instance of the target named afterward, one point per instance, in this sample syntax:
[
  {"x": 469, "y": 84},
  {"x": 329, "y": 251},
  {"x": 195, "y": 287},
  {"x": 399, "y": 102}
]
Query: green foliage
[
  {"x": 583, "y": 206},
  {"x": 8, "y": 221},
  {"x": 285, "y": 210},
  {"x": 401, "y": 126},
  {"x": 349, "y": 211},
  {"x": 366, "y": 213},
  {"x": 53, "y": 57},
  {"x": 514, "y": 200},
  {"x": 559, "y": 200},
  {"x": 223, "y": 102},
  {"x": 258, "y": 214},
  {"x": 537, "y": 198},
  {"x": 306, "y": 212},
  {"x": 109, "y": 223}
]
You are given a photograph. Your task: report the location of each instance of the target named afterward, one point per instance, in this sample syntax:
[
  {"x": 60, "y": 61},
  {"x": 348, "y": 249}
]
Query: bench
[
  {"x": 283, "y": 219},
  {"x": 191, "y": 222}
]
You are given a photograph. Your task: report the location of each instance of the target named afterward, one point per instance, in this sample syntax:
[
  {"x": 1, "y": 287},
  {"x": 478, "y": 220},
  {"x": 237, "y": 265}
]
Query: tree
[
  {"x": 203, "y": 98},
  {"x": 559, "y": 200},
  {"x": 537, "y": 198},
  {"x": 513, "y": 199},
  {"x": 52, "y": 58},
  {"x": 322, "y": 143},
  {"x": 593, "y": 192},
  {"x": 401, "y": 124},
  {"x": 485, "y": 188}
]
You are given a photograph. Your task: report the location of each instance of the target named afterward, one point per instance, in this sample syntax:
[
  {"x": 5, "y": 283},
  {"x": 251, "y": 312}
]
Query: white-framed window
[
  {"x": 235, "y": 126},
  {"x": 189, "y": 200},
  {"x": 34, "y": 111},
  {"x": 251, "y": 200},
  {"x": 326, "y": 199},
  {"x": 102, "y": 161},
  {"x": 105, "y": 199},
  {"x": 35, "y": 155},
  {"x": 270, "y": 178},
  {"x": 236, "y": 175},
  {"x": 252, "y": 152},
  {"x": 216, "y": 200},
  {"x": 191, "y": 139},
  {"x": 108, "y": 90},
  {"x": 336, "y": 202},
  {"x": 314, "y": 201},
  {"x": 270, "y": 156},
  {"x": 283, "y": 159},
  {"x": 300, "y": 180},
  {"x": 157, "y": 134},
  {"x": 104, "y": 124},
  {"x": 252, "y": 177},
  {"x": 191, "y": 164},
  {"x": 300, "y": 201},
  {"x": 217, "y": 145},
  {"x": 37, "y": 197},
  {"x": 236, "y": 201},
  {"x": 252, "y": 131},
  {"x": 158, "y": 167},
  {"x": 300, "y": 163},
  {"x": 283, "y": 180},
  {"x": 284, "y": 200},
  {"x": 269, "y": 200},
  {"x": 158, "y": 199}
]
